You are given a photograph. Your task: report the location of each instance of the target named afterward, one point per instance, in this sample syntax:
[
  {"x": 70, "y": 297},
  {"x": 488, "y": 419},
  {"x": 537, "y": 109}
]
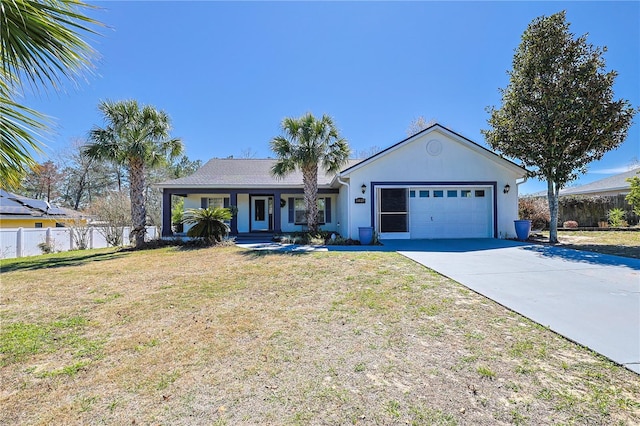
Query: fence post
[
  {"x": 91, "y": 237},
  {"x": 48, "y": 237},
  {"x": 19, "y": 243}
]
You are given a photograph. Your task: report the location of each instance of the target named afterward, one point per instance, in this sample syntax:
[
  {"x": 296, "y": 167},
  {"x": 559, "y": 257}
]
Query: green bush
[
  {"x": 208, "y": 224},
  {"x": 616, "y": 218}
]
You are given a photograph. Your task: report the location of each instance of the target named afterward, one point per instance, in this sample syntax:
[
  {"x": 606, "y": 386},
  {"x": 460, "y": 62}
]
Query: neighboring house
[
  {"x": 434, "y": 184},
  {"x": 613, "y": 185},
  {"x": 17, "y": 211}
]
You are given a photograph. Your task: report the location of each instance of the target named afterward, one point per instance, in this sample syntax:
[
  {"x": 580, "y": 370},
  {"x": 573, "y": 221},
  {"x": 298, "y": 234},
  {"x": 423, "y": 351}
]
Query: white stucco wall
[{"x": 434, "y": 157}]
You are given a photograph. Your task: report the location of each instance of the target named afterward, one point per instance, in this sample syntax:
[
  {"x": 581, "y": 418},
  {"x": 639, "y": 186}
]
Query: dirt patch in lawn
[{"x": 226, "y": 336}]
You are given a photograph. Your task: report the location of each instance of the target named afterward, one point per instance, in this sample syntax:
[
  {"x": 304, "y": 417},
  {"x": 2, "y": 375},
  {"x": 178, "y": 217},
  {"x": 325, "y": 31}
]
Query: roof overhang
[{"x": 519, "y": 171}]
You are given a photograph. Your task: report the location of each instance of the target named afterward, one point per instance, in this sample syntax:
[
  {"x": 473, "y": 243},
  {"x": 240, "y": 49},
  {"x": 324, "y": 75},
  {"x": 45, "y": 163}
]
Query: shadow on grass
[
  {"x": 616, "y": 250},
  {"x": 58, "y": 260},
  {"x": 572, "y": 254},
  {"x": 255, "y": 254}
]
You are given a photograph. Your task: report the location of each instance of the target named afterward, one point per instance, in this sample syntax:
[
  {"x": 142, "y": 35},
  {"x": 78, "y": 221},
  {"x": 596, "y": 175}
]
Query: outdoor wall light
[
  {"x": 506, "y": 189},
  {"x": 364, "y": 188}
]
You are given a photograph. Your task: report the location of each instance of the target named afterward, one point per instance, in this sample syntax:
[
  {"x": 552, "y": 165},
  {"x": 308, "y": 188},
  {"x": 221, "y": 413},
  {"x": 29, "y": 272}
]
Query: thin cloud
[{"x": 614, "y": 170}]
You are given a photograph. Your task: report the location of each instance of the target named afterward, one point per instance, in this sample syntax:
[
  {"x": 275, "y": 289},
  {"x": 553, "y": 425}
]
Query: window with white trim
[
  {"x": 216, "y": 202},
  {"x": 300, "y": 211}
]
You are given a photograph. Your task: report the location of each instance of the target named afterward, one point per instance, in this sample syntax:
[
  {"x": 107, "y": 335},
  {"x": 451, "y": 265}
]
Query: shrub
[
  {"x": 113, "y": 211},
  {"x": 535, "y": 209},
  {"x": 47, "y": 248},
  {"x": 570, "y": 224},
  {"x": 208, "y": 224},
  {"x": 616, "y": 218},
  {"x": 633, "y": 197}
]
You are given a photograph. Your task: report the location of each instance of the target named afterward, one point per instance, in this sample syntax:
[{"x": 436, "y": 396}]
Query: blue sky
[{"x": 228, "y": 72}]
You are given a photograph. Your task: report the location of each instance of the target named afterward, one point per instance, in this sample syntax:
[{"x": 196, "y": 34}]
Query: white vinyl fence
[{"x": 20, "y": 242}]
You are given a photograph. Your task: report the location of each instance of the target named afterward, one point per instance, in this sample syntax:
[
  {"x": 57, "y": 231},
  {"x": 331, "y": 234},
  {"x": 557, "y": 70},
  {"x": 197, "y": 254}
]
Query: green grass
[
  {"x": 20, "y": 340},
  {"x": 486, "y": 372}
]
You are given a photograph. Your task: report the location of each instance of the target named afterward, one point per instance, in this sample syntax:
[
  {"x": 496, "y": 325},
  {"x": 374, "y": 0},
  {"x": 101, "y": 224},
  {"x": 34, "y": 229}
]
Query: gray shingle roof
[
  {"x": 612, "y": 183},
  {"x": 241, "y": 172}
]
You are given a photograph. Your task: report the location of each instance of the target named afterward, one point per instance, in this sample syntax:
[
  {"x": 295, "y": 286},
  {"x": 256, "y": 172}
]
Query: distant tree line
[{"x": 74, "y": 180}]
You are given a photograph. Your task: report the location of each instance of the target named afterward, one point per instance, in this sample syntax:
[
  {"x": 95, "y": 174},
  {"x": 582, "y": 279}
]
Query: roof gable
[{"x": 452, "y": 135}]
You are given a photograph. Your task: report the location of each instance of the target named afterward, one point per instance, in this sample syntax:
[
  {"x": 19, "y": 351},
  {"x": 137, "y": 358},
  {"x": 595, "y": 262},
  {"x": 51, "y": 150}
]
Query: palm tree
[
  {"x": 307, "y": 143},
  {"x": 208, "y": 224},
  {"x": 137, "y": 138},
  {"x": 40, "y": 45}
]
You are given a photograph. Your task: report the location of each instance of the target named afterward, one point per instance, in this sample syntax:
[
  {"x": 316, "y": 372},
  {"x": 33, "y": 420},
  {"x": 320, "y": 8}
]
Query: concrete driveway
[{"x": 590, "y": 298}]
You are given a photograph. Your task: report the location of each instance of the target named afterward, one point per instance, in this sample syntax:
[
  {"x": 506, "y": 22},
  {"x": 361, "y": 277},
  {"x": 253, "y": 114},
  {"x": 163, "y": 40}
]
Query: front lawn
[{"x": 226, "y": 336}]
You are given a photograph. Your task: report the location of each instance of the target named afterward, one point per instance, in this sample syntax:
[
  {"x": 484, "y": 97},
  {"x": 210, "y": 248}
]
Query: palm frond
[
  {"x": 208, "y": 224},
  {"x": 41, "y": 41}
]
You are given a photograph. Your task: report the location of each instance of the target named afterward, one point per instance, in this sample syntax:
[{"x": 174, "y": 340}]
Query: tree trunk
[
  {"x": 136, "y": 192},
  {"x": 310, "y": 180},
  {"x": 552, "y": 196}
]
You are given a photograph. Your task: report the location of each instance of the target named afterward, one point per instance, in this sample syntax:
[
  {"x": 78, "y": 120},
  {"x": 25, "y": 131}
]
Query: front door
[{"x": 261, "y": 210}]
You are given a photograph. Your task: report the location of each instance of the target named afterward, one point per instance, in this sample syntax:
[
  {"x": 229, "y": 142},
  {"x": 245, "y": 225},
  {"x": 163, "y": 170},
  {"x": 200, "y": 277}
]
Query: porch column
[
  {"x": 277, "y": 227},
  {"x": 166, "y": 213},
  {"x": 233, "y": 200}
]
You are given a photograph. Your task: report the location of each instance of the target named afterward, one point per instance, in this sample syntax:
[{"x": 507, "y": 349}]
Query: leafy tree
[
  {"x": 136, "y": 137},
  {"x": 633, "y": 197},
  {"x": 307, "y": 143},
  {"x": 182, "y": 167},
  {"x": 40, "y": 45},
  {"x": 43, "y": 182},
  {"x": 208, "y": 224},
  {"x": 558, "y": 113}
]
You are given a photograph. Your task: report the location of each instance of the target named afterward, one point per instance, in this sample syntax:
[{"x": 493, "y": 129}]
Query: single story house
[
  {"x": 17, "y": 211},
  {"x": 434, "y": 184},
  {"x": 610, "y": 186}
]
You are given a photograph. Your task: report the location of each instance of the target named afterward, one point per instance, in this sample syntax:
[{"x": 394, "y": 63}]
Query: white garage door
[{"x": 450, "y": 212}]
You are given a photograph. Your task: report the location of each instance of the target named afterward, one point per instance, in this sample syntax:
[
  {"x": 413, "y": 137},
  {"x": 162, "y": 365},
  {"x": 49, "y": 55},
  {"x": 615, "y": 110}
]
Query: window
[
  {"x": 480, "y": 193},
  {"x": 452, "y": 193},
  {"x": 38, "y": 225},
  {"x": 393, "y": 210},
  {"x": 424, "y": 194},
  {"x": 59, "y": 225},
  {"x": 465, "y": 193},
  {"x": 300, "y": 211},
  {"x": 216, "y": 202},
  {"x": 260, "y": 208},
  {"x": 412, "y": 194},
  {"x": 438, "y": 194}
]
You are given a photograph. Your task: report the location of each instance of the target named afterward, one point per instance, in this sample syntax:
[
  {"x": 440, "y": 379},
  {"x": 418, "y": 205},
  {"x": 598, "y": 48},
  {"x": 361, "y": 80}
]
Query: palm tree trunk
[
  {"x": 310, "y": 181},
  {"x": 136, "y": 192}
]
